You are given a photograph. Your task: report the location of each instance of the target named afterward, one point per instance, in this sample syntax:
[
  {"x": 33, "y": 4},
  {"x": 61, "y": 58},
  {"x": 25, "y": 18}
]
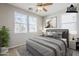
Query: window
[
  {"x": 20, "y": 23},
  {"x": 32, "y": 24},
  {"x": 24, "y": 23},
  {"x": 69, "y": 21}
]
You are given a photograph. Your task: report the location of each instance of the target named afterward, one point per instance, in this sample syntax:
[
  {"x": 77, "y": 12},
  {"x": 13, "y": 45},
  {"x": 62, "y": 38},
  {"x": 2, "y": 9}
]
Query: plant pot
[{"x": 4, "y": 50}]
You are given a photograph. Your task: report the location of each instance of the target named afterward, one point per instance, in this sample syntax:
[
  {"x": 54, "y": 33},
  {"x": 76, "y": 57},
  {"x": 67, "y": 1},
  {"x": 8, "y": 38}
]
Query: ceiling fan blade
[
  {"x": 44, "y": 4},
  {"x": 45, "y": 9},
  {"x": 39, "y": 4}
]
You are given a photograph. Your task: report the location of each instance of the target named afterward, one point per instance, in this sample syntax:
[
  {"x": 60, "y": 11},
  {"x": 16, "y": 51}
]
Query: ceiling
[{"x": 55, "y": 7}]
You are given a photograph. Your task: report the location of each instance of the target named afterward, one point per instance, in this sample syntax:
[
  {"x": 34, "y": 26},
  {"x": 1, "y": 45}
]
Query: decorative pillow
[
  {"x": 49, "y": 34},
  {"x": 54, "y": 34},
  {"x": 58, "y": 35}
]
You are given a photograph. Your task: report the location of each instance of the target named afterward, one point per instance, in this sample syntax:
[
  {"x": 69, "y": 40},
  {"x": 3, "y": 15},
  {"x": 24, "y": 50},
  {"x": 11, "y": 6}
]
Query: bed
[{"x": 48, "y": 45}]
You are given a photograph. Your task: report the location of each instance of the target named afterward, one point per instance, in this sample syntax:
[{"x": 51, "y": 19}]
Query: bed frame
[{"x": 65, "y": 33}]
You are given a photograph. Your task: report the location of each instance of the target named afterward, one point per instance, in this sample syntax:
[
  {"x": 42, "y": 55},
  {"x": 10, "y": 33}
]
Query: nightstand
[{"x": 72, "y": 44}]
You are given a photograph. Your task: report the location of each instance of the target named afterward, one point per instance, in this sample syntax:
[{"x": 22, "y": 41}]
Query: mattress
[{"x": 45, "y": 46}]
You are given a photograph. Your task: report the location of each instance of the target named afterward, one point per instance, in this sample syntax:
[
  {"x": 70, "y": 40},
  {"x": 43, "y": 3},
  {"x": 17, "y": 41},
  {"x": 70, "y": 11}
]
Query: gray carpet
[
  {"x": 69, "y": 52},
  {"x": 22, "y": 51}
]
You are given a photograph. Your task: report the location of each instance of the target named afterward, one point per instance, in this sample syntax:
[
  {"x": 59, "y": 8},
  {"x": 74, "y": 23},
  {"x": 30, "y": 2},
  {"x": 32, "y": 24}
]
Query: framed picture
[{"x": 51, "y": 22}]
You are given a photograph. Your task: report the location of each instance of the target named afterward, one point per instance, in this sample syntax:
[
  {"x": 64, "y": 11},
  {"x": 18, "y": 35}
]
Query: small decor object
[
  {"x": 4, "y": 38},
  {"x": 71, "y": 9}
]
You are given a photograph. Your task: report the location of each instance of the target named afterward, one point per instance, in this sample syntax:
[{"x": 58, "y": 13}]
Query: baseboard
[{"x": 16, "y": 46}]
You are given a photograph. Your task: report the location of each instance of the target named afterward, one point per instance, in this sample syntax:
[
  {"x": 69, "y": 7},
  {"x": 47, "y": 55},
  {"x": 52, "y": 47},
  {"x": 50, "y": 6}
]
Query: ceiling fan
[{"x": 41, "y": 7}]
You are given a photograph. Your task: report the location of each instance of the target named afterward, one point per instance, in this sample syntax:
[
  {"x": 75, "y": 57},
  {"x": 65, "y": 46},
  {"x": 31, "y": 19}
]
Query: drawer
[{"x": 72, "y": 45}]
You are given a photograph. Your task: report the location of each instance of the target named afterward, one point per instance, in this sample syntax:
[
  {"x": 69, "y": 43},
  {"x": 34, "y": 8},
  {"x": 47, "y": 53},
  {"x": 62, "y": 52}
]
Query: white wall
[
  {"x": 78, "y": 21},
  {"x": 7, "y": 19}
]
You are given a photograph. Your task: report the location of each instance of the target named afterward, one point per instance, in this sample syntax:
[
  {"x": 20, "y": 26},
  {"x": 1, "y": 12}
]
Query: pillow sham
[{"x": 54, "y": 34}]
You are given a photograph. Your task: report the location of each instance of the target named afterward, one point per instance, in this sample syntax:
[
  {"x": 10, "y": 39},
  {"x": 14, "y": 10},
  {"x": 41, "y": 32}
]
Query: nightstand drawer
[{"x": 72, "y": 44}]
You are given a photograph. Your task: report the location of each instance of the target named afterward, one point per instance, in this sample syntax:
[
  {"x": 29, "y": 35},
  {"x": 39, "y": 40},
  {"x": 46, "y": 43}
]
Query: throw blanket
[{"x": 46, "y": 46}]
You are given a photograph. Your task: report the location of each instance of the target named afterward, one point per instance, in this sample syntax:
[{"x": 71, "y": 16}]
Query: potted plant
[{"x": 4, "y": 34}]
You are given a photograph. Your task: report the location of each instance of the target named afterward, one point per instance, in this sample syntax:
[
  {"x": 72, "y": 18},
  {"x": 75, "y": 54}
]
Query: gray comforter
[{"x": 46, "y": 46}]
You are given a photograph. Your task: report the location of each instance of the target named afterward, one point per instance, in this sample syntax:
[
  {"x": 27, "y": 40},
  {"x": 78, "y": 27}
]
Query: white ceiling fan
[{"x": 41, "y": 7}]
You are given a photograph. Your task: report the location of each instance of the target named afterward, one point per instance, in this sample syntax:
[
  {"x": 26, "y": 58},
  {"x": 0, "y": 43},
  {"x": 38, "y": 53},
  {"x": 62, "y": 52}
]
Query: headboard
[{"x": 65, "y": 33}]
